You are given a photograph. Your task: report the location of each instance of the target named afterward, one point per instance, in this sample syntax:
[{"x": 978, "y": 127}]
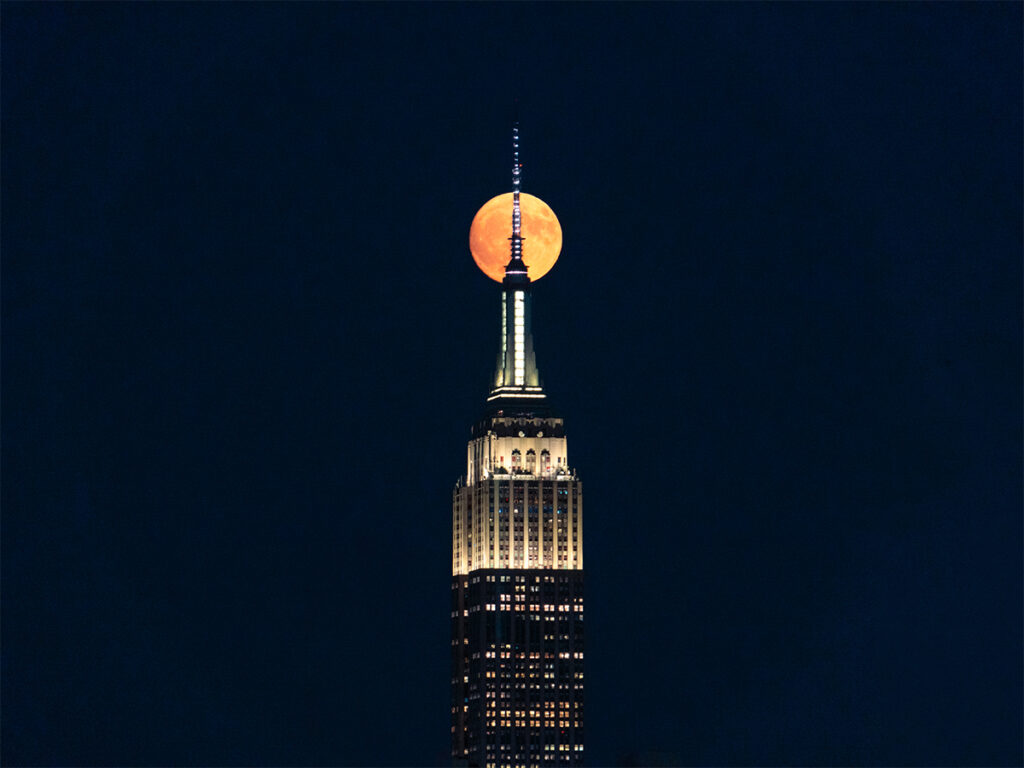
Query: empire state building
[{"x": 517, "y": 559}]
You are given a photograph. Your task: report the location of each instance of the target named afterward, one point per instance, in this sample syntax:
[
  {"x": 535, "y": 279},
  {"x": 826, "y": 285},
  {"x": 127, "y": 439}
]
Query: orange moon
[{"x": 492, "y": 227}]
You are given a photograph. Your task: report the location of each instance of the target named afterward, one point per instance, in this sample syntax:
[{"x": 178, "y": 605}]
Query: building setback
[{"x": 517, "y": 562}]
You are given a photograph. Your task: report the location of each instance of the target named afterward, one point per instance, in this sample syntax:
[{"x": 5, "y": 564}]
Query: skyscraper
[{"x": 517, "y": 560}]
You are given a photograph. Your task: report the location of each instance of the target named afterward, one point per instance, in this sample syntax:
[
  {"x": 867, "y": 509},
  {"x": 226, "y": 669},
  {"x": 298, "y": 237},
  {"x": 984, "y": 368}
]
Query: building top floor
[{"x": 519, "y": 425}]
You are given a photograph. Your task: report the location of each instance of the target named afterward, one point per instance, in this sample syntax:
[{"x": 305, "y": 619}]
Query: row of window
[
  {"x": 533, "y": 712},
  {"x": 535, "y": 724},
  {"x": 532, "y": 607}
]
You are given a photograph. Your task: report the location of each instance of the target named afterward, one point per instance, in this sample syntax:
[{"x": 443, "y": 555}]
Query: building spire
[
  {"x": 516, "y": 178},
  {"x": 515, "y": 270},
  {"x": 516, "y": 380}
]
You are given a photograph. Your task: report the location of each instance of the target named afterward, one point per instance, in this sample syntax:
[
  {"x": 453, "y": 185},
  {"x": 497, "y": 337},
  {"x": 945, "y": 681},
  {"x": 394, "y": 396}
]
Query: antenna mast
[
  {"x": 515, "y": 270},
  {"x": 517, "y": 245}
]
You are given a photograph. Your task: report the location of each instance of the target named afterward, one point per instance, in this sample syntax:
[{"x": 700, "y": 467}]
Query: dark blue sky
[{"x": 244, "y": 340}]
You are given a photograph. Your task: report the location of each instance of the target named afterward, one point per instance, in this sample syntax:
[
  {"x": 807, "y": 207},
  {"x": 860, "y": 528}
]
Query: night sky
[{"x": 244, "y": 341}]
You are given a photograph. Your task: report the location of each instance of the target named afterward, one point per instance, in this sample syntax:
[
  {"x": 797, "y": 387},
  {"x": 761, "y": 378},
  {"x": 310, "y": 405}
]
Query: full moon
[{"x": 492, "y": 227}]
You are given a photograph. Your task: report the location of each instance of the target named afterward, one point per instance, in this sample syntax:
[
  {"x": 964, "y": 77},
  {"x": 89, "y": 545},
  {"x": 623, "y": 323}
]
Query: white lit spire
[
  {"x": 516, "y": 178},
  {"x": 517, "y": 377},
  {"x": 515, "y": 271}
]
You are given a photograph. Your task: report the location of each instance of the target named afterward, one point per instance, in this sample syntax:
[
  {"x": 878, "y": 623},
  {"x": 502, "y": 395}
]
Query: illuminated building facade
[{"x": 517, "y": 563}]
